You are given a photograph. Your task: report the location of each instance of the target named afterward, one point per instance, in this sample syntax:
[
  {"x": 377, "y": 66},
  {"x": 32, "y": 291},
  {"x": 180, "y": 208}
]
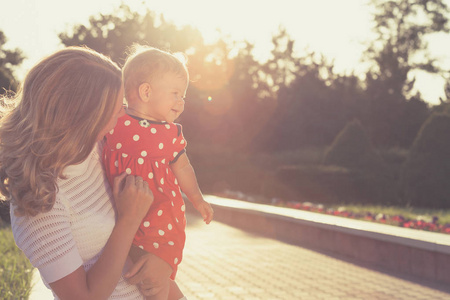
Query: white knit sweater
[{"x": 77, "y": 228}]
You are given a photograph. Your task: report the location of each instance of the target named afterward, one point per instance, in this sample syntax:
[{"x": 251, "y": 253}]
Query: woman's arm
[
  {"x": 133, "y": 198},
  {"x": 187, "y": 180}
]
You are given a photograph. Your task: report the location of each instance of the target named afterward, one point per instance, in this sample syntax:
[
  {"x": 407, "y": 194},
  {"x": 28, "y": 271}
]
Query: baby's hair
[{"x": 145, "y": 63}]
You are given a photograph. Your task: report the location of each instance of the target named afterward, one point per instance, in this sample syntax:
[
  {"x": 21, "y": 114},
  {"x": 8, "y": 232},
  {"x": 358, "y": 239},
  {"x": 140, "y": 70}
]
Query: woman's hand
[
  {"x": 150, "y": 273},
  {"x": 133, "y": 198}
]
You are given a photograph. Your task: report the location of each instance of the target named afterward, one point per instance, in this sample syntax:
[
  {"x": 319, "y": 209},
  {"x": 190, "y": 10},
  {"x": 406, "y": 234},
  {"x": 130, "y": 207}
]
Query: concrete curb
[{"x": 408, "y": 251}]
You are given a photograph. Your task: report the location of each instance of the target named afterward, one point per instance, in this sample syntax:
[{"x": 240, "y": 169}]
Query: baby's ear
[{"x": 144, "y": 91}]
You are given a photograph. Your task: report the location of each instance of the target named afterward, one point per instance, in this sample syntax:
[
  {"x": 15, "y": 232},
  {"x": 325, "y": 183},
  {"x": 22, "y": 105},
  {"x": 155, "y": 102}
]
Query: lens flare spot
[{"x": 209, "y": 98}]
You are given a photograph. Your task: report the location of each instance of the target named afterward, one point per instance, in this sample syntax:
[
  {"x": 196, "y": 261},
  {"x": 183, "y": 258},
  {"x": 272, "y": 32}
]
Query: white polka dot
[
  {"x": 118, "y": 146},
  {"x": 127, "y": 123},
  {"x": 160, "y": 189},
  {"x": 156, "y": 164},
  {"x": 146, "y": 223},
  {"x": 176, "y": 181},
  {"x": 163, "y": 161},
  {"x": 162, "y": 181},
  {"x": 182, "y": 142},
  {"x": 160, "y": 212},
  {"x": 173, "y": 193},
  {"x": 175, "y": 261},
  {"x": 150, "y": 175},
  {"x": 153, "y": 130},
  {"x": 144, "y": 153},
  {"x": 156, "y": 245},
  {"x": 161, "y": 232},
  {"x": 167, "y": 171},
  {"x": 175, "y": 154},
  {"x": 161, "y": 145},
  {"x": 183, "y": 207},
  {"x": 142, "y": 247},
  {"x": 171, "y": 243},
  {"x": 169, "y": 226},
  {"x": 173, "y": 204},
  {"x": 176, "y": 219},
  {"x": 116, "y": 163},
  {"x": 174, "y": 140},
  {"x": 124, "y": 155},
  {"x": 136, "y": 137},
  {"x": 140, "y": 160},
  {"x": 112, "y": 131},
  {"x": 167, "y": 126},
  {"x": 128, "y": 170}
]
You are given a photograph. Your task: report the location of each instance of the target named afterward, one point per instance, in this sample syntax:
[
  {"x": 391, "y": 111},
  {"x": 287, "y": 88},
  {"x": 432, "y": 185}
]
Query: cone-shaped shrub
[
  {"x": 352, "y": 149},
  {"x": 425, "y": 178},
  {"x": 372, "y": 179}
]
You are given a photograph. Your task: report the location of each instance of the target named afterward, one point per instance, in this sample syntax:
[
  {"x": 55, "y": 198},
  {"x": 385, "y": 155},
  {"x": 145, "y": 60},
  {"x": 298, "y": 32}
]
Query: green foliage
[
  {"x": 329, "y": 185},
  {"x": 314, "y": 183},
  {"x": 402, "y": 27},
  {"x": 352, "y": 149},
  {"x": 15, "y": 268},
  {"x": 425, "y": 175},
  {"x": 9, "y": 59},
  {"x": 372, "y": 179},
  {"x": 293, "y": 176},
  {"x": 112, "y": 34}
]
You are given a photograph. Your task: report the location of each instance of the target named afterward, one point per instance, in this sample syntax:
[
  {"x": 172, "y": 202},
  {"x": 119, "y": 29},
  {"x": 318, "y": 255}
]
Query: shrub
[
  {"x": 425, "y": 174},
  {"x": 352, "y": 149},
  {"x": 374, "y": 181},
  {"x": 319, "y": 184},
  {"x": 329, "y": 185}
]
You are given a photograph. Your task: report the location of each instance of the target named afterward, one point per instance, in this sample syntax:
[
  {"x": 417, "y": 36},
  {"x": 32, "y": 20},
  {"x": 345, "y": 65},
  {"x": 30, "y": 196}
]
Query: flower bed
[{"x": 420, "y": 223}]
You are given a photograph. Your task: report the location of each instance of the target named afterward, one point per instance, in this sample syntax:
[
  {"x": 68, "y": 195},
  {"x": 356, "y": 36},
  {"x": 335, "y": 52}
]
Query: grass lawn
[
  {"x": 15, "y": 269},
  {"x": 409, "y": 213}
]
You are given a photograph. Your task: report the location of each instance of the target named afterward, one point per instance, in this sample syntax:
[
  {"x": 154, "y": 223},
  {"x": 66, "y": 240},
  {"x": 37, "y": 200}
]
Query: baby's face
[{"x": 167, "y": 97}]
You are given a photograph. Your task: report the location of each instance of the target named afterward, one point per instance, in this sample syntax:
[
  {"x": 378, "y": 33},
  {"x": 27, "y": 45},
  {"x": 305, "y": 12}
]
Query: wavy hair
[{"x": 65, "y": 102}]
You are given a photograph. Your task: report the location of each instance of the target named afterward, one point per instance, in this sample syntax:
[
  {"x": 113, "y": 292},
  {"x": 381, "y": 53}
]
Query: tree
[
  {"x": 9, "y": 59},
  {"x": 222, "y": 96},
  {"x": 312, "y": 103},
  {"x": 399, "y": 50},
  {"x": 112, "y": 34}
]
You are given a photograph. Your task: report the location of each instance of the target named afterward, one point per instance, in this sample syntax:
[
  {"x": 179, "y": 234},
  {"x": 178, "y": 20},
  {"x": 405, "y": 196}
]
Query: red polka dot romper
[{"x": 146, "y": 148}]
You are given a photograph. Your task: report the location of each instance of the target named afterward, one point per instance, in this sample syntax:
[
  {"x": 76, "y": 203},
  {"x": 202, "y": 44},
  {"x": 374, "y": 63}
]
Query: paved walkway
[{"x": 222, "y": 262}]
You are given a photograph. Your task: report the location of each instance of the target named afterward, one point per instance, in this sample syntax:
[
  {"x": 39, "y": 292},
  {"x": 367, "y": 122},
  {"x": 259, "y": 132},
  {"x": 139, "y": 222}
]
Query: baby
[{"x": 146, "y": 142}]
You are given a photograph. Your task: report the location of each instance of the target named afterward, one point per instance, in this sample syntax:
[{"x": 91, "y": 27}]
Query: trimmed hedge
[
  {"x": 426, "y": 174},
  {"x": 330, "y": 185},
  {"x": 352, "y": 149}
]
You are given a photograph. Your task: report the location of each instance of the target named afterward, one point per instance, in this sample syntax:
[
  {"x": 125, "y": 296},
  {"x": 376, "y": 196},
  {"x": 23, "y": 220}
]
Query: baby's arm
[{"x": 185, "y": 175}]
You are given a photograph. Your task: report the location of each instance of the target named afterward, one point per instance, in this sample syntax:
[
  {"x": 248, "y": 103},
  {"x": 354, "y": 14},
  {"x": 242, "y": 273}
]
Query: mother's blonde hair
[{"x": 65, "y": 102}]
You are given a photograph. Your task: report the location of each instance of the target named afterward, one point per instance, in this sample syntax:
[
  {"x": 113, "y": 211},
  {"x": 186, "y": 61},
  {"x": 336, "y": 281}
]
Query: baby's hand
[{"x": 205, "y": 210}]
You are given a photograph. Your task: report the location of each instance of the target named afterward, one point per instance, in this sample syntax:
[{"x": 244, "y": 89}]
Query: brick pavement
[{"x": 222, "y": 262}]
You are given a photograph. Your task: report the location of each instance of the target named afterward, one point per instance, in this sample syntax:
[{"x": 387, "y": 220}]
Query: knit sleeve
[{"x": 47, "y": 241}]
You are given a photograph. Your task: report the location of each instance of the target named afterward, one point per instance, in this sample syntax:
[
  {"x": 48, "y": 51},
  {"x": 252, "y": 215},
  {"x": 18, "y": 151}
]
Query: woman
[{"x": 62, "y": 211}]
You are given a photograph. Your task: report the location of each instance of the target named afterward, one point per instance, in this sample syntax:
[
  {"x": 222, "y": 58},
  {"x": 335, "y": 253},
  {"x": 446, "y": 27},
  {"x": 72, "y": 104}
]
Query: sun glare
[{"x": 337, "y": 29}]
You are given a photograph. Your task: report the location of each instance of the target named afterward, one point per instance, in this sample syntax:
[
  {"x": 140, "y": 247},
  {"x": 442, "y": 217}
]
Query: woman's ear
[{"x": 144, "y": 92}]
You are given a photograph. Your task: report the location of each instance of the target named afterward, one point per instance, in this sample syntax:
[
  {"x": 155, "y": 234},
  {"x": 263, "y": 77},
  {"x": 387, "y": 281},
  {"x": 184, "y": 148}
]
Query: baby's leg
[
  {"x": 174, "y": 291},
  {"x": 159, "y": 278}
]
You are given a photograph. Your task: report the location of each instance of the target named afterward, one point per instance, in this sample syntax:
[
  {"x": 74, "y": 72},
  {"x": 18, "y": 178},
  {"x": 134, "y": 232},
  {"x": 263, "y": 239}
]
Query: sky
[{"x": 338, "y": 29}]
